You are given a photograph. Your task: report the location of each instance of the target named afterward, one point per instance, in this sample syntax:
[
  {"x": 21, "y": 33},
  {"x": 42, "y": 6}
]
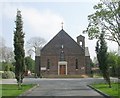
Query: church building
[{"x": 62, "y": 55}]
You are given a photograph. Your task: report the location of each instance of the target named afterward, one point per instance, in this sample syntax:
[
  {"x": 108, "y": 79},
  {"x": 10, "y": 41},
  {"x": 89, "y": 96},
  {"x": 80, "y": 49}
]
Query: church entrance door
[{"x": 62, "y": 69}]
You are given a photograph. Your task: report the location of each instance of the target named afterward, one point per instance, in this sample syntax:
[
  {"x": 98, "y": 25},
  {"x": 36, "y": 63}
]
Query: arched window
[
  {"x": 76, "y": 63},
  {"x": 48, "y": 64}
]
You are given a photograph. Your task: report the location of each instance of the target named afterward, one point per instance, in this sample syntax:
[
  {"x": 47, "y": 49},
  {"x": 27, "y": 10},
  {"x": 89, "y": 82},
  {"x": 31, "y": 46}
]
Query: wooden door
[{"x": 62, "y": 69}]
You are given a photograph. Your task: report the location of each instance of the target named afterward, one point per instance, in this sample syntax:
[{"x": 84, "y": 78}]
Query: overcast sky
[{"x": 44, "y": 19}]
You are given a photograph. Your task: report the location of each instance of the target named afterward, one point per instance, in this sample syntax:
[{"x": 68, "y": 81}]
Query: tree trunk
[
  {"x": 19, "y": 82},
  {"x": 113, "y": 71},
  {"x": 106, "y": 76},
  {"x": 19, "y": 85}
]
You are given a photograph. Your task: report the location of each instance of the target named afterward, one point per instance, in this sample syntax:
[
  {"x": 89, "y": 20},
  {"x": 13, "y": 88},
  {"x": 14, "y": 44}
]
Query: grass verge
[
  {"x": 113, "y": 91},
  {"x": 11, "y": 90}
]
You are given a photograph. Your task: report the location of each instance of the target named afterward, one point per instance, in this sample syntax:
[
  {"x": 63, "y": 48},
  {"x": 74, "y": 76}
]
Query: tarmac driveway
[{"x": 62, "y": 87}]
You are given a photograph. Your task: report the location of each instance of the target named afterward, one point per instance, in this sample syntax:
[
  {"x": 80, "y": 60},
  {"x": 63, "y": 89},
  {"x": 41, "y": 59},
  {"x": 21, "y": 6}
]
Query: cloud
[{"x": 42, "y": 23}]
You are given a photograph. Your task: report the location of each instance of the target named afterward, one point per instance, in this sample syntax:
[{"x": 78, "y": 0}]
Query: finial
[{"x": 62, "y": 24}]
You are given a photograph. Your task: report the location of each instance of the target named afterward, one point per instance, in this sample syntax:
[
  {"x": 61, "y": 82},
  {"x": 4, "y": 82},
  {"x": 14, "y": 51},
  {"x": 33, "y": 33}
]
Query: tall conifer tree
[
  {"x": 19, "y": 49},
  {"x": 102, "y": 56}
]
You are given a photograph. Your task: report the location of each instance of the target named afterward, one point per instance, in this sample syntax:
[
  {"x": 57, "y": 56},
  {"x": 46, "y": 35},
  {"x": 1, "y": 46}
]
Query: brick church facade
[{"x": 64, "y": 56}]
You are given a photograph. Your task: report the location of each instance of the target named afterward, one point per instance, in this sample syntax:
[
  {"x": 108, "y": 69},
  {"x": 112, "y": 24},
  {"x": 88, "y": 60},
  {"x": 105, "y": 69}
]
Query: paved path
[{"x": 60, "y": 87}]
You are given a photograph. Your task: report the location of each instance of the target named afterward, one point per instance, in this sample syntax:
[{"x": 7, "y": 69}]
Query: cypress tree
[
  {"x": 102, "y": 56},
  {"x": 19, "y": 49}
]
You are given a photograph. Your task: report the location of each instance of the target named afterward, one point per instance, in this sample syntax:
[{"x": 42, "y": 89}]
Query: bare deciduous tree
[
  {"x": 6, "y": 53},
  {"x": 2, "y": 41},
  {"x": 34, "y": 43}
]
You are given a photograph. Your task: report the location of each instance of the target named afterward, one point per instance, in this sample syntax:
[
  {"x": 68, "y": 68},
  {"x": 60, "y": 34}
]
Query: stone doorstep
[
  {"x": 28, "y": 91},
  {"x": 105, "y": 95}
]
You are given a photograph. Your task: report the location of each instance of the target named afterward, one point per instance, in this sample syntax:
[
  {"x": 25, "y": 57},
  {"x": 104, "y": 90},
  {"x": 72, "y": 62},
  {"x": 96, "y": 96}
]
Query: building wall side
[
  {"x": 87, "y": 62},
  {"x": 71, "y": 65}
]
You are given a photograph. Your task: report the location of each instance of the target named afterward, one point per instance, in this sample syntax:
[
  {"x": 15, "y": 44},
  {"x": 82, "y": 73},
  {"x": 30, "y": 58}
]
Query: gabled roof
[{"x": 62, "y": 38}]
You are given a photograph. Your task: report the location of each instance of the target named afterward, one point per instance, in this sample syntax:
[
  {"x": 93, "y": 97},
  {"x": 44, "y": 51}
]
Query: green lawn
[
  {"x": 12, "y": 89},
  {"x": 114, "y": 91}
]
